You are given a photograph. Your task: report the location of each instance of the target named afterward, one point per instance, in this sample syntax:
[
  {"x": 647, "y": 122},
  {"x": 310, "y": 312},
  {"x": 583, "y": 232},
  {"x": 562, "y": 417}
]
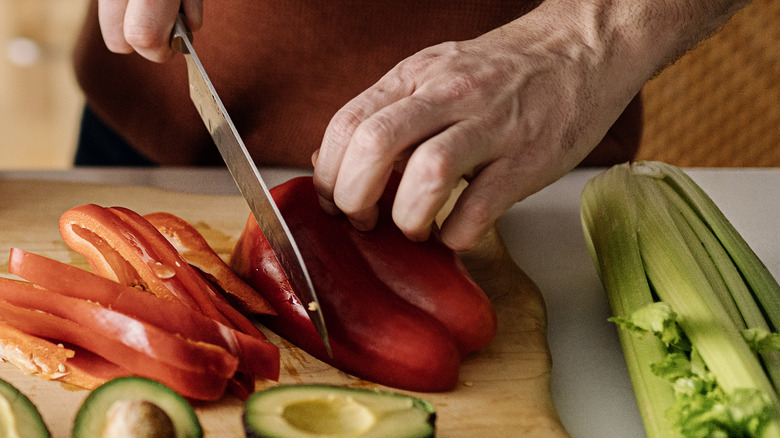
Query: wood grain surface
[{"x": 504, "y": 389}]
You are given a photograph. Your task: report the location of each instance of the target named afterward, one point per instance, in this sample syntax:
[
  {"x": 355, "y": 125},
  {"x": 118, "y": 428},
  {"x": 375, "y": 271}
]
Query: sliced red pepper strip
[
  {"x": 44, "y": 358},
  {"x": 145, "y": 339},
  {"x": 200, "y": 386},
  {"x": 256, "y": 354},
  {"x": 120, "y": 244},
  {"x": 375, "y": 334},
  {"x": 194, "y": 248},
  {"x": 115, "y": 250},
  {"x": 98, "y": 368},
  {"x": 198, "y": 288}
]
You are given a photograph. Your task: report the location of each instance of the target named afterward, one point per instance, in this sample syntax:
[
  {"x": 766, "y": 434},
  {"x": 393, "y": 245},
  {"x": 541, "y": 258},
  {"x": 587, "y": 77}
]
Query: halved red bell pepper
[
  {"x": 428, "y": 275},
  {"x": 376, "y": 334},
  {"x": 121, "y": 245},
  {"x": 140, "y": 348},
  {"x": 256, "y": 354}
]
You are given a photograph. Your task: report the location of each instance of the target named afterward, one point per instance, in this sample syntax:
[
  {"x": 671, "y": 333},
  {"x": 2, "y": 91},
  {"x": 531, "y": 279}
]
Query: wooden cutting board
[{"x": 503, "y": 390}]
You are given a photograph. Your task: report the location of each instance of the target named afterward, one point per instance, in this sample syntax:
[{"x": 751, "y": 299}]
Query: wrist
[{"x": 623, "y": 42}]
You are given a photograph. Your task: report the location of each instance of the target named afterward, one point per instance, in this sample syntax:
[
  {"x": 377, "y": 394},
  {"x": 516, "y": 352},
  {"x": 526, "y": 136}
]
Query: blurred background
[
  {"x": 718, "y": 106},
  {"x": 40, "y": 103}
]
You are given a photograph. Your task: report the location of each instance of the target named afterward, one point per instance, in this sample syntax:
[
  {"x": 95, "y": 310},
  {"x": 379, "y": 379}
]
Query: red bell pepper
[
  {"x": 121, "y": 245},
  {"x": 256, "y": 354},
  {"x": 195, "y": 370},
  {"x": 142, "y": 337},
  {"x": 198, "y": 253},
  {"x": 428, "y": 275},
  {"x": 376, "y": 333},
  {"x": 55, "y": 361}
]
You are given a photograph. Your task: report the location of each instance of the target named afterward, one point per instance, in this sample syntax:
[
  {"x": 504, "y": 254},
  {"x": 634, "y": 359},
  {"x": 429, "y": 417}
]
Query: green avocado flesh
[
  {"x": 291, "y": 411},
  {"x": 18, "y": 416},
  {"x": 148, "y": 407}
]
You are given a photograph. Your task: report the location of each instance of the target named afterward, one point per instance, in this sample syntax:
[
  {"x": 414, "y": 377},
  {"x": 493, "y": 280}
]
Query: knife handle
[{"x": 180, "y": 30}]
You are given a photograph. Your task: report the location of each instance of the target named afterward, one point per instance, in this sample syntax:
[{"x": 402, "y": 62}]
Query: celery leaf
[
  {"x": 761, "y": 340},
  {"x": 717, "y": 414},
  {"x": 659, "y": 319}
]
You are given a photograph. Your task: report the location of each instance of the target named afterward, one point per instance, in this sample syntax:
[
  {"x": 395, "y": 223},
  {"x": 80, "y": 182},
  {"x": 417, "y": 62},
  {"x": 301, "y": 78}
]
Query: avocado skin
[
  {"x": 24, "y": 410},
  {"x": 90, "y": 419}
]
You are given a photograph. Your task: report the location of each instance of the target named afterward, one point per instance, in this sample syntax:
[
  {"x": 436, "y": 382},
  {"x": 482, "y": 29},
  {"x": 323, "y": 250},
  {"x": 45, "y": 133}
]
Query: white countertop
[{"x": 590, "y": 382}]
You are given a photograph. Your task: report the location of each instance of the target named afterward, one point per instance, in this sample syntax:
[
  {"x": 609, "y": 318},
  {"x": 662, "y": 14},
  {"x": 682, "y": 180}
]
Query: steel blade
[{"x": 248, "y": 179}]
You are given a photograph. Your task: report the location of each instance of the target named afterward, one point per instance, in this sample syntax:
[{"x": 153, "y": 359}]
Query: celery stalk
[
  {"x": 679, "y": 281},
  {"x": 652, "y": 232},
  {"x": 723, "y": 274},
  {"x": 761, "y": 282},
  {"x": 607, "y": 206}
]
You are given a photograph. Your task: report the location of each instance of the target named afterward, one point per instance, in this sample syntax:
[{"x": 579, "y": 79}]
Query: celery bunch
[{"x": 697, "y": 310}]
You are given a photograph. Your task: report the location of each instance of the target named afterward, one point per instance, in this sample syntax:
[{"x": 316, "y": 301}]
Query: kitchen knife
[{"x": 248, "y": 178}]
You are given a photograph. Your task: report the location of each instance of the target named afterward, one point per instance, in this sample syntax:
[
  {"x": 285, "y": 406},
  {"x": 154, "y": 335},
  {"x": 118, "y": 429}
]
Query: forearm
[
  {"x": 629, "y": 41},
  {"x": 608, "y": 49},
  {"x": 657, "y": 32}
]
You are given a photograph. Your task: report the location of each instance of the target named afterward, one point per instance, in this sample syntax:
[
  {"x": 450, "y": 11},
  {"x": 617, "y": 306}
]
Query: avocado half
[
  {"x": 290, "y": 411},
  {"x": 19, "y": 418},
  {"x": 136, "y": 403}
]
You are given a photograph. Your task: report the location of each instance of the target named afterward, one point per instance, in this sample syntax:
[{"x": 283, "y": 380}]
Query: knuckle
[
  {"x": 348, "y": 204},
  {"x": 459, "y": 242},
  {"x": 373, "y": 135},
  {"x": 343, "y": 125},
  {"x": 461, "y": 86},
  {"x": 144, "y": 35},
  {"x": 414, "y": 65},
  {"x": 479, "y": 213},
  {"x": 432, "y": 164},
  {"x": 475, "y": 216},
  {"x": 141, "y": 38}
]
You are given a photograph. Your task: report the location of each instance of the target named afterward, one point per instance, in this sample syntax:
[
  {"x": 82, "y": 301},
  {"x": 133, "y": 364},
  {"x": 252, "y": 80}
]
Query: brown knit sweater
[{"x": 283, "y": 69}]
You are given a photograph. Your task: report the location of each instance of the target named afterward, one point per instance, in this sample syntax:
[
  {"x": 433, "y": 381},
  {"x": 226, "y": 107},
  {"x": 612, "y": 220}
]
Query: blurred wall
[
  {"x": 40, "y": 103},
  {"x": 720, "y": 104}
]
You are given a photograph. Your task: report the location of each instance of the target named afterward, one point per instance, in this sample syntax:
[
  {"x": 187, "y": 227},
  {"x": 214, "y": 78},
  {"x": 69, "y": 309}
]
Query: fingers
[
  {"x": 440, "y": 157},
  {"x": 442, "y": 115},
  {"x": 145, "y": 26},
  {"x": 396, "y": 125},
  {"x": 399, "y": 132},
  {"x": 476, "y": 212},
  {"x": 342, "y": 127},
  {"x": 193, "y": 12},
  {"x": 362, "y": 132},
  {"x": 435, "y": 168},
  {"x": 111, "y": 15}
]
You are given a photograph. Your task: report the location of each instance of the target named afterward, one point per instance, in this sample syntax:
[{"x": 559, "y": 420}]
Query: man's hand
[
  {"x": 145, "y": 26},
  {"x": 511, "y": 112}
]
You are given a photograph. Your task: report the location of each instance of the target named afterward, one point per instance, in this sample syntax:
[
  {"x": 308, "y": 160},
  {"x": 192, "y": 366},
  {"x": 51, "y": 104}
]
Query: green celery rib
[
  {"x": 679, "y": 281},
  {"x": 761, "y": 282},
  {"x": 723, "y": 274},
  {"x": 699, "y": 243},
  {"x": 609, "y": 222}
]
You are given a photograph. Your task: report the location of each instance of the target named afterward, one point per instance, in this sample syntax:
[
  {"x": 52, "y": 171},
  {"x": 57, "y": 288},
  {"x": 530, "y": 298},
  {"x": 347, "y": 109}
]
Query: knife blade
[{"x": 247, "y": 178}]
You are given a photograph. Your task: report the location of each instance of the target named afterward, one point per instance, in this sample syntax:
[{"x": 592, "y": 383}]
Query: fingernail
[
  {"x": 360, "y": 225},
  {"x": 329, "y": 207},
  {"x": 366, "y": 220},
  {"x": 419, "y": 235}
]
